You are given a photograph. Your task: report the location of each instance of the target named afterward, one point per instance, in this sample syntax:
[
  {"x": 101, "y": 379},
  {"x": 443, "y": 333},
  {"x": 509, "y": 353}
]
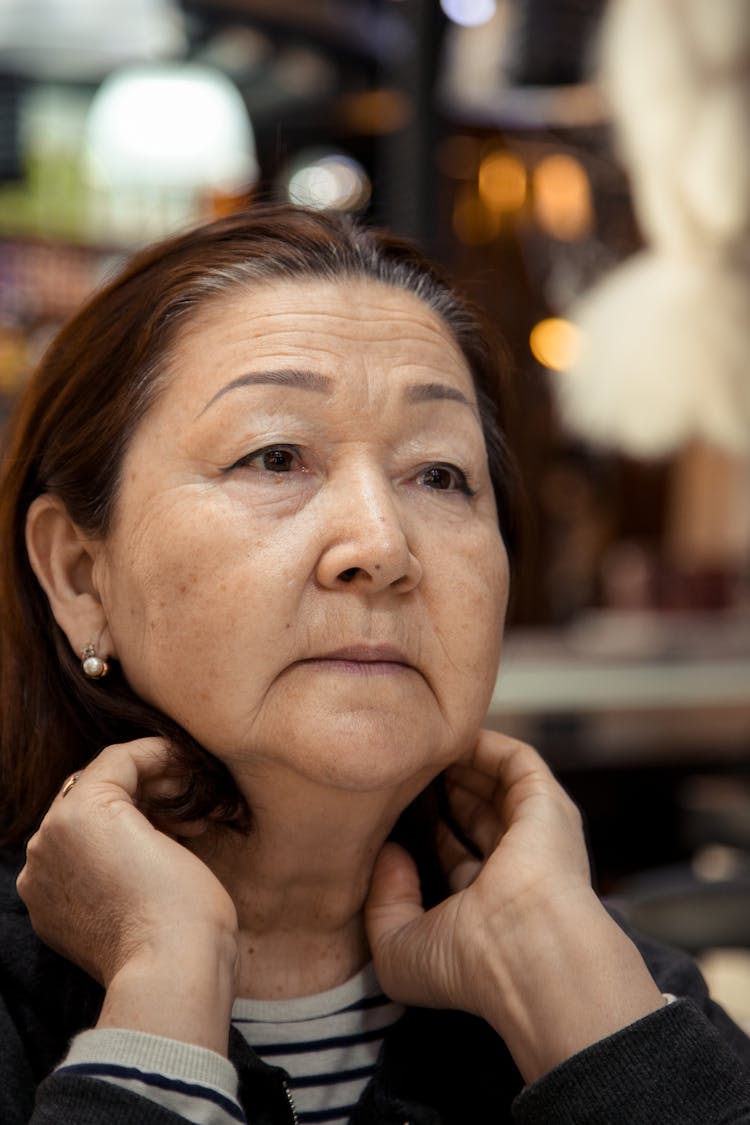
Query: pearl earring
[{"x": 93, "y": 666}]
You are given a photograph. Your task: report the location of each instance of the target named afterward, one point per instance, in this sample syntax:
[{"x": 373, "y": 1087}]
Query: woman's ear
[{"x": 62, "y": 559}]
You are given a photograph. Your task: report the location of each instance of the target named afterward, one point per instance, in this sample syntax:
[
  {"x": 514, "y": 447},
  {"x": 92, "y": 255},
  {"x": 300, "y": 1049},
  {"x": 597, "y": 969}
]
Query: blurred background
[{"x": 582, "y": 169}]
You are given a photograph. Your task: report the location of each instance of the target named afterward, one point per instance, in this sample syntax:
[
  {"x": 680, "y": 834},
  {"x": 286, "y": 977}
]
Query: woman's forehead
[
  {"x": 304, "y": 304},
  {"x": 328, "y": 327}
]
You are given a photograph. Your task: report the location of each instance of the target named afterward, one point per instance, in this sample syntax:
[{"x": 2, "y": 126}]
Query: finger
[
  {"x": 523, "y": 775},
  {"x": 395, "y": 897},
  {"x": 166, "y": 785},
  {"x": 500, "y": 765},
  {"x": 477, "y": 817},
  {"x": 140, "y": 773},
  {"x": 464, "y": 874},
  {"x": 125, "y": 766},
  {"x": 460, "y": 866},
  {"x": 481, "y": 784},
  {"x": 451, "y": 850},
  {"x": 508, "y": 760},
  {"x": 393, "y": 917}
]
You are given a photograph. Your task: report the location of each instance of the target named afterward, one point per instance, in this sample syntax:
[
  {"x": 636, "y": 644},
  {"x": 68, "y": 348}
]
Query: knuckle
[
  {"x": 113, "y": 750},
  {"x": 22, "y": 882},
  {"x": 573, "y": 810},
  {"x": 36, "y": 842},
  {"x": 148, "y": 749}
]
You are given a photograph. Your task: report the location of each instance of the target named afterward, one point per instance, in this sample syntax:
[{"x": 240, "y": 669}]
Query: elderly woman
[{"x": 254, "y": 580}]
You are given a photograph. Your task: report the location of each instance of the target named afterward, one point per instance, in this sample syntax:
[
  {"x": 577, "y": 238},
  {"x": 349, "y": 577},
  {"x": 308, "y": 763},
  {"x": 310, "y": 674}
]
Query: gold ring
[{"x": 69, "y": 784}]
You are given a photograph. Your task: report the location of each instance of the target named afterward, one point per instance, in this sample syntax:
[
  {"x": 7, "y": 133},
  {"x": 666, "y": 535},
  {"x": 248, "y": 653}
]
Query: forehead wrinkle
[{"x": 324, "y": 328}]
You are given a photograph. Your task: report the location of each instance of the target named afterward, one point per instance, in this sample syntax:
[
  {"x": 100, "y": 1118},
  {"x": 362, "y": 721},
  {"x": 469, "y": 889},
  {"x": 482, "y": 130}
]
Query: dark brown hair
[{"x": 70, "y": 431}]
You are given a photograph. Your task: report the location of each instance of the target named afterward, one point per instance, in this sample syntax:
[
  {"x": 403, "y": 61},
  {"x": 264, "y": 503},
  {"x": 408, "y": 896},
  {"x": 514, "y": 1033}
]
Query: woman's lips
[{"x": 368, "y": 660}]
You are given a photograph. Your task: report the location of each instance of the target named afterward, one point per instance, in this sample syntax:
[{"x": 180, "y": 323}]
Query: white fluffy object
[{"x": 665, "y": 352}]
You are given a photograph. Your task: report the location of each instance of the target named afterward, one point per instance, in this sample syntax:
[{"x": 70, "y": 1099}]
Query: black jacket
[{"x": 686, "y": 1064}]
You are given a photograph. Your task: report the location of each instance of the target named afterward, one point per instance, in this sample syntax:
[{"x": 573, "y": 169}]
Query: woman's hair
[{"x": 69, "y": 435}]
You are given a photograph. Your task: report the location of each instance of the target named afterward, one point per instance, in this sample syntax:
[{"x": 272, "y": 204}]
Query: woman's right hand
[{"x": 132, "y": 905}]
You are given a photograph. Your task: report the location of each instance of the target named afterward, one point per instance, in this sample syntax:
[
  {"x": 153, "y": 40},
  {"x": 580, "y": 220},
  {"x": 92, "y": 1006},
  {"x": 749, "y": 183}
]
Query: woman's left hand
[{"x": 523, "y": 940}]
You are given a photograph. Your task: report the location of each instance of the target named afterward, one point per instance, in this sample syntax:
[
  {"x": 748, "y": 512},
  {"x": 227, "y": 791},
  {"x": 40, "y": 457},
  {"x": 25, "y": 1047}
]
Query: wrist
[
  {"x": 564, "y": 975},
  {"x": 181, "y": 987}
]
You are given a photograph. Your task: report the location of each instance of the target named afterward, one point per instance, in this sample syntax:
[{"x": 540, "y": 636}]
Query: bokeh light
[
  {"x": 502, "y": 181},
  {"x": 329, "y": 181},
  {"x": 554, "y": 342},
  {"x": 469, "y": 13},
  {"x": 180, "y": 125},
  {"x": 562, "y": 197}
]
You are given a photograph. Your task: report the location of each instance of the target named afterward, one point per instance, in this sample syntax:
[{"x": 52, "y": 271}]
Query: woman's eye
[
  {"x": 274, "y": 459},
  {"x": 445, "y": 478}
]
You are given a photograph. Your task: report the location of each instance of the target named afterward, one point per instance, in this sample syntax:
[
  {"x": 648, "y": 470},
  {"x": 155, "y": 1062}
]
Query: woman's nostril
[{"x": 349, "y": 574}]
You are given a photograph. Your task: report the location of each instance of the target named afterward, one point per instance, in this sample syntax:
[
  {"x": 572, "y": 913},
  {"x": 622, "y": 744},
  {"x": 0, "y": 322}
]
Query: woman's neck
[{"x": 299, "y": 881}]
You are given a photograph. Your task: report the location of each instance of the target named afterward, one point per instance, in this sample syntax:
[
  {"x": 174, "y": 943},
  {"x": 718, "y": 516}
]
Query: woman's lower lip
[{"x": 361, "y": 667}]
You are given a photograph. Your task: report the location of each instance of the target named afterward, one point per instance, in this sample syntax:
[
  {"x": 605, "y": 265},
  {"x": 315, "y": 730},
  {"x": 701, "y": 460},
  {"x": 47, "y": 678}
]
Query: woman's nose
[{"x": 366, "y": 542}]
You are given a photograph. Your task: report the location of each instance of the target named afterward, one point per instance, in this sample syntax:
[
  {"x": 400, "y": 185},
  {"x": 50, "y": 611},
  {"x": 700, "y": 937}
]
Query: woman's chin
[
  {"x": 361, "y": 774},
  {"x": 350, "y": 753}
]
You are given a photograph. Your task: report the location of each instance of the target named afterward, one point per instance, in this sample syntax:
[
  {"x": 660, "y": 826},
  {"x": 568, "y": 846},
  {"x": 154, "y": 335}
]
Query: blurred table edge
[{"x": 569, "y": 683}]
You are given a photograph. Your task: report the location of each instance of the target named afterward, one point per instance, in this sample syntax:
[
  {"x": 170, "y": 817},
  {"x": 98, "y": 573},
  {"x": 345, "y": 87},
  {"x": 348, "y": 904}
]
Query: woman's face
[{"x": 305, "y": 568}]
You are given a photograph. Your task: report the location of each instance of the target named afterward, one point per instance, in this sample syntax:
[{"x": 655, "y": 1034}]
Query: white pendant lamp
[
  {"x": 69, "y": 39},
  {"x": 159, "y": 138}
]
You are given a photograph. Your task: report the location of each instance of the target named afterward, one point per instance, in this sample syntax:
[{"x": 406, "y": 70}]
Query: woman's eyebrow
[
  {"x": 285, "y": 377},
  {"x": 429, "y": 392},
  {"x": 323, "y": 384}
]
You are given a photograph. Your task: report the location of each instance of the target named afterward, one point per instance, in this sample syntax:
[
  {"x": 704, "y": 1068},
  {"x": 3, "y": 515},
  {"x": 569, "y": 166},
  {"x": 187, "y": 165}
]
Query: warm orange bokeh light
[
  {"x": 562, "y": 197},
  {"x": 554, "y": 342},
  {"x": 502, "y": 181}
]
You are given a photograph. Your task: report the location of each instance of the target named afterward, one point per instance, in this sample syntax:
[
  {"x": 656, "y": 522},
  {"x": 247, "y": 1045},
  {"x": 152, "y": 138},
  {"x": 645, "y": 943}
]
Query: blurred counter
[{"x": 622, "y": 686}]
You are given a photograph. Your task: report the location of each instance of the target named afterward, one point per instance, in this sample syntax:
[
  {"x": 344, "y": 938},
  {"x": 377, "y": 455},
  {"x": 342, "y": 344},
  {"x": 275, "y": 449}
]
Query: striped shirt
[{"x": 328, "y": 1044}]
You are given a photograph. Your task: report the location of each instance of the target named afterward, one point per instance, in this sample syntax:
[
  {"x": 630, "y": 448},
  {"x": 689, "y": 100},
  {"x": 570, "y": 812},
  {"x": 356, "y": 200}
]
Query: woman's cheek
[{"x": 477, "y": 593}]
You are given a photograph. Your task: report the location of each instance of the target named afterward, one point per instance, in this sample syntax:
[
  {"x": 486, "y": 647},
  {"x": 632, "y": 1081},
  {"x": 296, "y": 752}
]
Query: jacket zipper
[{"x": 292, "y": 1106}]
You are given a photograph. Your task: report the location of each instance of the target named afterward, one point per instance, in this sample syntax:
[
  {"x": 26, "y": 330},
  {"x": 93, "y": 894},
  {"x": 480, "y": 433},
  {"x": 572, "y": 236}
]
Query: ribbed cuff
[{"x": 155, "y": 1054}]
